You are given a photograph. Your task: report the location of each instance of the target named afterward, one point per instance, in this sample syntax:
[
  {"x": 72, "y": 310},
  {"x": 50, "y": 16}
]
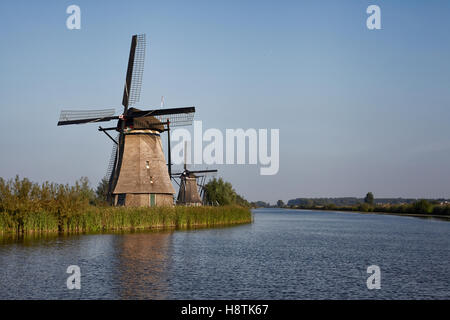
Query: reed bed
[
  {"x": 30, "y": 207},
  {"x": 98, "y": 219}
]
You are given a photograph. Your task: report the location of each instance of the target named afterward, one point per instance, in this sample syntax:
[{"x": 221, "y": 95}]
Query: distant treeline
[
  {"x": 350, "y": 201},
  {"x": 438, "y": 207},
  {"x": 260, "y": 204},
  {"x": 422, "y": 207}
]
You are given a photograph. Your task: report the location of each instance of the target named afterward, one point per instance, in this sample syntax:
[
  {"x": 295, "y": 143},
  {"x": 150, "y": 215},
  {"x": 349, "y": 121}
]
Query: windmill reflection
[{"x": 144, "y": 263}]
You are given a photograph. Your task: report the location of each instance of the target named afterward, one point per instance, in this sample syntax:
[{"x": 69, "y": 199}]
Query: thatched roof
[{"x": 148, "y": 122}]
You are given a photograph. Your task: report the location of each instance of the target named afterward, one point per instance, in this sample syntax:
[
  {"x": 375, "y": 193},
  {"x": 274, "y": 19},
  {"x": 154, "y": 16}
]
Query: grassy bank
[
  {"x": 95, "y": 219},
  {"x": 421, "y": 208},
  {"x": 30, "y": 207}
]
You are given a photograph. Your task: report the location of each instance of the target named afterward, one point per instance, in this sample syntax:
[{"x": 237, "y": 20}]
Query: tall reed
[
  {"x": 95, "y": 219},
  {"x": 30, "y": 207}
]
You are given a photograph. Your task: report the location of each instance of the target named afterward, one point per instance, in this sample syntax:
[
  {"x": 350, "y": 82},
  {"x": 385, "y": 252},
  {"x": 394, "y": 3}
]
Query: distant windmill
[
  {"x": 138, "y": 175},
  {"x": 188, "y": 193}
]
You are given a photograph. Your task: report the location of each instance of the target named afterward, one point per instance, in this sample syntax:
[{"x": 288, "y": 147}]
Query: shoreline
[
  {"x": 8, "y": 236},
  {"x": 413, "y": 215}
]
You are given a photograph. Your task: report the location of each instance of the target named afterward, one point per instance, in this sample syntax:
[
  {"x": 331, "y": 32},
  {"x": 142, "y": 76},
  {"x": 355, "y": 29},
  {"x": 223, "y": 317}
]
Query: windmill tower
[
  {"x": 188, "y": 193},
  {"x": 138, "y": 175}
]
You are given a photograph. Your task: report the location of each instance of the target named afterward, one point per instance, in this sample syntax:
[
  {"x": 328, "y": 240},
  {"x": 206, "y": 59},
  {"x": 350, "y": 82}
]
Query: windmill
[
  {"x": 188, "y": 193},
  {"x": 138, "y": 174}
]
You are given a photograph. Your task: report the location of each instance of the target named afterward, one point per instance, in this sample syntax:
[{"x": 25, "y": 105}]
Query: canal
[{"x": 284, "y": 254}]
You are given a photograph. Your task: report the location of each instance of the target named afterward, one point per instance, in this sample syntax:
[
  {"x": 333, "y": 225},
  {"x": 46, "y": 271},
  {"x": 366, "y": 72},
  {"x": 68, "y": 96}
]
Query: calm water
[{"x": 284, "y": 254}]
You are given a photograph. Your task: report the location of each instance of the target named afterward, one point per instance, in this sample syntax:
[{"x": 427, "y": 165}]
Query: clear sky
[{"x": 358, "y": 110}]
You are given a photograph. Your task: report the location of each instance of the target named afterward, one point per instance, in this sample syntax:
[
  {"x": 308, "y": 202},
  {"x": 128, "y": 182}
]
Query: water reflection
[{"x": 143, "y": 263}]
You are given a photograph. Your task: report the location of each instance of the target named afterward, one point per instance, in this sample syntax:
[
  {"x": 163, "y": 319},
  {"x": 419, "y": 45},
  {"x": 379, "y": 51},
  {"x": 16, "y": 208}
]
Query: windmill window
[{"x": 121, "y": 199}]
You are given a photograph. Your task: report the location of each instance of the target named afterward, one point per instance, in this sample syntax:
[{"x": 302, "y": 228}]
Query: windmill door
[{"x": 152, "y": 200}]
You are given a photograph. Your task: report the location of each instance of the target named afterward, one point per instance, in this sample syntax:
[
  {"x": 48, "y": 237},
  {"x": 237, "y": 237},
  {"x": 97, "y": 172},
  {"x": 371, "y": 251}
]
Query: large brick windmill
[{"x": 138, "y": 174}]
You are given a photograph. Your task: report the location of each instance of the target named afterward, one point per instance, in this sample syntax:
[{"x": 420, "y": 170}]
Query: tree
[
  {"x": 219, "y": 192},
  {"x": 422, "y": 207},
  {"x": 102, "y": 190},
  {"x": 84, "y": 191},
  {"x": 364, "y": 207},
  {"x": 241, "y": 201},
  {"x": 280, "y": 204},
  {"x": 369, "y": 199},
  {"x": 260, "y": 204}
]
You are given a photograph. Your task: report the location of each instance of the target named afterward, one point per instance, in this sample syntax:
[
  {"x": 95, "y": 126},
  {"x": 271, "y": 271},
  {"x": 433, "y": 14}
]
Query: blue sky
[{"x": 358, "y": 110}]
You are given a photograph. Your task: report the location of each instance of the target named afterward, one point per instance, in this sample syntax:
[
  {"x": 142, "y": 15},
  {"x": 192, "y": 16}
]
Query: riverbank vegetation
[
  {"x": 30, "y": 207},
  {"x": 420, "y": 207},
  {"x": 220, "y": 192},
  {"x": 439, "y": 207}
]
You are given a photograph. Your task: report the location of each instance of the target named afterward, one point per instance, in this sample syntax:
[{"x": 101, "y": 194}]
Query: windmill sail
[
  {"x": 112, "y": 160},
  {"x": 196, "y": 172},
  {"x": 112, "y": 166},
  {"x": 135, "y": 70},
  {"x": 85, "y": 116}
]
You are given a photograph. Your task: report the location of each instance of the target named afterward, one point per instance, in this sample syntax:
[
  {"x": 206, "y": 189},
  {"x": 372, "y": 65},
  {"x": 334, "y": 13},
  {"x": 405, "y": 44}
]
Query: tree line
[{"x": 370, "y": 204}]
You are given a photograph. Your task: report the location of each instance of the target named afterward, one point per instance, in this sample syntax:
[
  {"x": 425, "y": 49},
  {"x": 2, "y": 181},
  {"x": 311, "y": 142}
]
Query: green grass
[{"x": 97, "y": 219}]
